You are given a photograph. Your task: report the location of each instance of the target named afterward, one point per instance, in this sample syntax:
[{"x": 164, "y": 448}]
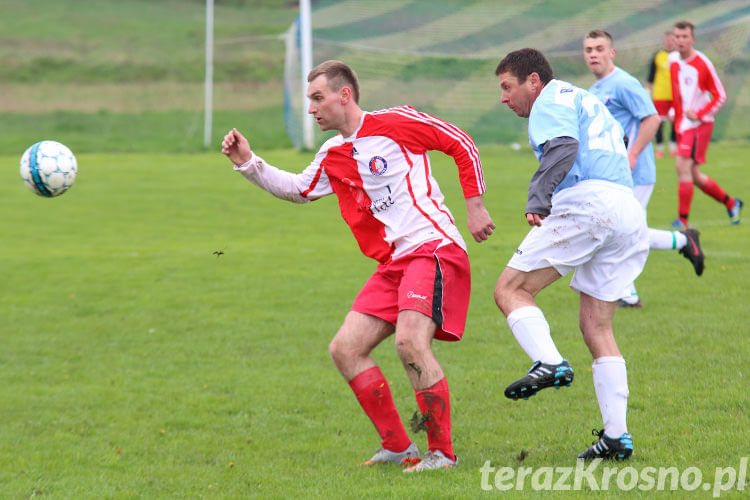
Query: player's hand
[
  {"x": 236, "y": 147},
  {"x": 632, "y": 158},
  {"x": 535, "y": 219},
  {"x": 690, "y": 114},
  {"x": 478, "y": 219}
]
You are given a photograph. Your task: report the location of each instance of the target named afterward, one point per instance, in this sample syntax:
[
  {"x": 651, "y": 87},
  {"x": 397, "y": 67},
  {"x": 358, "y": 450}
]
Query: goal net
[{"x": 440, "y": 55}]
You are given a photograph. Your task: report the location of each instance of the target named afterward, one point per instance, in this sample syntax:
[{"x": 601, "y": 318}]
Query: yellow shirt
[{"x": 662, "y": 85}]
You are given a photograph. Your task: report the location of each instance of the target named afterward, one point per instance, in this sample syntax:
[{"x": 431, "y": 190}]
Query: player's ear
[
  {"x": 346, "y": 94},
  {"x": 535, "y": 80}
]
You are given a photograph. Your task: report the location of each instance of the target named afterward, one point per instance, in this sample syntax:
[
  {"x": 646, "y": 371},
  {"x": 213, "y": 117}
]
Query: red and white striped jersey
[
  {"x": 383, "y": 180},
  {"x": 696, "y": 86}
]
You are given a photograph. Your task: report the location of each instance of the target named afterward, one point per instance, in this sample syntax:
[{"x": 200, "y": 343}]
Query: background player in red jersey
[
  {"x": 697, "y": 95},
  {"x": 379, "y": 169}
]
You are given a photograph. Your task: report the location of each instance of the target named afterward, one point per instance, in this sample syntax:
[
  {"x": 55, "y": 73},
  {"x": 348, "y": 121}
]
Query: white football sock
[
  {"x": 611, "y": 387},
  {"x": 532, "y": 332},
  {"x": 659, "y": 239},
  {"x": 680, "y": 239},
  {"x": 630, "y": 294}
]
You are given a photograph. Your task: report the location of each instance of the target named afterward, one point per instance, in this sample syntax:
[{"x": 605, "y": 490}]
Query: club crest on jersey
[{"x": 378, "y": 165}]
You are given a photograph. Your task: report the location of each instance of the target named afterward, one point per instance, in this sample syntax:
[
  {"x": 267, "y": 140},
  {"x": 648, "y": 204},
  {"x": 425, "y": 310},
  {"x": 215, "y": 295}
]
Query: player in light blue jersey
[
  {"x": 632, "y": 107},
  {"x": 585, "y": 219},
  {"x": 567, "y": 111}
]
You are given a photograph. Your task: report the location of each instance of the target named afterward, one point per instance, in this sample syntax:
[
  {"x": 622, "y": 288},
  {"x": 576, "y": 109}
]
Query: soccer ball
[{"x": 48, "y": 168}]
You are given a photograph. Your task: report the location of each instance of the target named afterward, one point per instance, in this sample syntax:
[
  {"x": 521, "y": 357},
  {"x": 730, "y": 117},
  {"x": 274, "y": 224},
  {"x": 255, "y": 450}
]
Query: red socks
[
  {"x": 685, "y": 198},
  {"x": 714, "y": 191},
  {"x": 374, "y": 395},
  {"x": 434, "y": 404}
]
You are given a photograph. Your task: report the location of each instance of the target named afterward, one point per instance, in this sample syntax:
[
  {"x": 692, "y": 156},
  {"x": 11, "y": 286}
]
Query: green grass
[
  {"x": 71, "y": 41},
  {"x": 165, "y": 131},
  {"x": 142, "y": 64},
  {"x": 135, "y": 363}
]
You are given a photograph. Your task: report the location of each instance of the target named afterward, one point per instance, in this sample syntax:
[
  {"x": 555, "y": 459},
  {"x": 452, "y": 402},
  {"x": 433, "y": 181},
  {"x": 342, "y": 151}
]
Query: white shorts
[
  {"x": 642, "y": 193},
  {"x": 596, "y": 228}
]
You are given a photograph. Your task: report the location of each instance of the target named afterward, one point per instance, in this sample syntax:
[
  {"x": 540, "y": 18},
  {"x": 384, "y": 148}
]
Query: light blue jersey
[
  {"x": 629, "y": 103},
  {"x": 564, "y": 110}
]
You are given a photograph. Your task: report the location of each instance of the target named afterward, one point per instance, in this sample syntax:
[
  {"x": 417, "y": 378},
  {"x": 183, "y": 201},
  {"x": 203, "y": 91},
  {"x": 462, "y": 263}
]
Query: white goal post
[{"x": 297, "y": 65}]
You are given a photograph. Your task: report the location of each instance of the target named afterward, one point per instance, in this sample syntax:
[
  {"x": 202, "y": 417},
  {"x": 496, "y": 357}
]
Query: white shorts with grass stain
[{"x": 596, "y": 228}]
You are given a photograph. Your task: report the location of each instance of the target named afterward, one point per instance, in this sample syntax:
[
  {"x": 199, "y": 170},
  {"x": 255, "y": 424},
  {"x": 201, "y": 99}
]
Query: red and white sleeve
[{"x": 309, "y": 185}]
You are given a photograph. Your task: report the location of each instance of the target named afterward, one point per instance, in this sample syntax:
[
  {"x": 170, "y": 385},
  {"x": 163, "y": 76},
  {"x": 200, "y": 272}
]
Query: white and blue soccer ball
[{"x": 48, "y": 168}]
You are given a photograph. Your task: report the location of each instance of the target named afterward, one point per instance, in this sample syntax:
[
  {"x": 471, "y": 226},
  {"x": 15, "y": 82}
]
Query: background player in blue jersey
[
  {"x": 585, "y": 219},
  {"x": 634, "y": 110}
]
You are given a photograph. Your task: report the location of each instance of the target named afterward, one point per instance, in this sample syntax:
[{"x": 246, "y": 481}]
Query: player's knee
[
  {"x": 333, "y": 349},
  {"x": 339, "y": 351},
  {"x": 503, "y": 295},
  {"x": 408, "y": 347},
  {"x": 499, "y": 296},
  {"x": 404, "y": 346}
]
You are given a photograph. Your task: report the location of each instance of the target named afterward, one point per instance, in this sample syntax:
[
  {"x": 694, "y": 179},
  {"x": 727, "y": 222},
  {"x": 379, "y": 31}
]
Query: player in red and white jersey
[
  {"x": 382, "y": 177},
  {"x": 378, "y": 168},
  {"x": 697, "y": 95}
]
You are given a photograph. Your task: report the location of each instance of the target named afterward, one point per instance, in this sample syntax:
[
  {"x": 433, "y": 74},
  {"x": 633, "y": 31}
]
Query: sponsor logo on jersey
[
  {"x": 354, "y": 152},
  {"x": 382, "y": 204},
  {"x": 378, "y": 165}
]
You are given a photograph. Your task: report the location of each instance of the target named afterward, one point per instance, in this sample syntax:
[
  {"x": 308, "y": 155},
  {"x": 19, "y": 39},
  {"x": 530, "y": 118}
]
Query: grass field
[
  {"x": 128, "y": 76},
  {"x": 136, "y": 363},
  {"x": 164, "y": 325}
]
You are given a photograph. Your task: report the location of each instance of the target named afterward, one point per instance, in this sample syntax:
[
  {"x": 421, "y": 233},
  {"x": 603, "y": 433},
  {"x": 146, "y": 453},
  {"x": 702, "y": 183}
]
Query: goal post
[
  {"x": 297, "y": 65},
  {"x": 305, "y": 24},
  {"x": 208, "y": 106}
]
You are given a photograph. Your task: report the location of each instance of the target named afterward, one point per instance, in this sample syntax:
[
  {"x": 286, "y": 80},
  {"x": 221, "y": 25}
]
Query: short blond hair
[
  {"x": 681, "y": 25},
  {"x": 339, "y": 75},
  {"x": 601, "y": 34}
]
